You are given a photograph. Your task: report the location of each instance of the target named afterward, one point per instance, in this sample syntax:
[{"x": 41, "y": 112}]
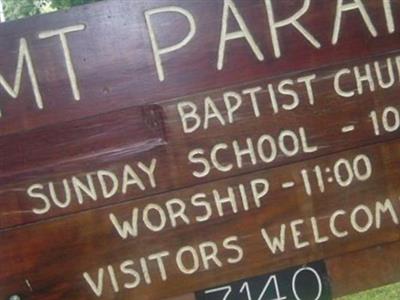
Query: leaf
[{"x": 16, "y": 9}]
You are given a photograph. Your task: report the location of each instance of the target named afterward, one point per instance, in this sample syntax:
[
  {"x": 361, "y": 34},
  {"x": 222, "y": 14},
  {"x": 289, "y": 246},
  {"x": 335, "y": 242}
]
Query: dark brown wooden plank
[
  {"x": 114, "y": 63},
  {"x": 281, "y": 128},
  {"x": 76, "y": 149},
  {"x": 94, "y": 114},
  {"x": 367, "y": 269},
  {"x": 109, "y": 142},
  {"x": 33, "y": 252},
  {"x": 70, "y": 146}
]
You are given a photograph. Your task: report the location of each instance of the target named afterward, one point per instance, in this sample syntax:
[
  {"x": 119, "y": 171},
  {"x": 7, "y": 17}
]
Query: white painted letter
[
  {"x": 96, "y": 288},
  {"x": 157, "y": 51},
  {"x": 31, "y": 192},
  {"x": 67, "y": 53},
  {"x": 387, "y": 4},
  {"x": 23, "y": 56},
  {"x": 357, "y": 4},
  {"x": 338, "y": 89},
  {"x": 127, "y": 228},
  {"x": 149, "y": 170},
  {"x": 275, "y": 243},
  {"x": 381, "y": 208},
  {"x": 293, "y": 20},
  {"x": 107, "y": 191},
  {"x": 244, "y": 32},
  {"x": 189, "y": 115}
]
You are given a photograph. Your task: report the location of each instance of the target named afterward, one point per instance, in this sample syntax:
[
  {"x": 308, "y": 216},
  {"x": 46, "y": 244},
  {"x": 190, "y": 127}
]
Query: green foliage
[
  {"x": 63, "y": 4},
  {"x": 16, "y": 9},
  {"x": 391, "y": 292}
]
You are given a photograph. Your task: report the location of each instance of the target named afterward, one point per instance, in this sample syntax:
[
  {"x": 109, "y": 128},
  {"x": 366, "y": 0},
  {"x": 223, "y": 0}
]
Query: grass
[{"x": 390, "y": 292}]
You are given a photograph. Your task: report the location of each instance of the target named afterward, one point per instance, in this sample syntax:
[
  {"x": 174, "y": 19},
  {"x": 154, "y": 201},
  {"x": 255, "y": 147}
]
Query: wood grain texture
[
  {"x": 99, "y": 244},
  {"x": 366, "y": 269},
  {"x": 111, "y": 141},
  {"x": 115, "y": 66},
  {"x": 322, "y": 173}
]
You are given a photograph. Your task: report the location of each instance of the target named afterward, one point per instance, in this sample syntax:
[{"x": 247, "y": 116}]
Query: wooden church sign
[{"x": 200, "y": 149}]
